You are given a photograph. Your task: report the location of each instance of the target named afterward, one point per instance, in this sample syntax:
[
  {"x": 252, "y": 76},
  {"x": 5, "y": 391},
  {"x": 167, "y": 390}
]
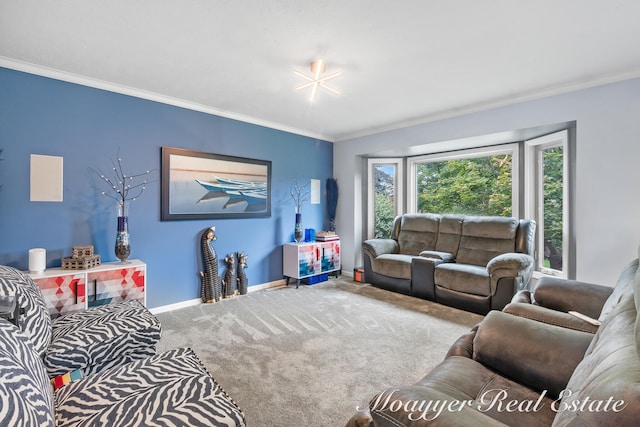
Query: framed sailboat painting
[{"x": 199, "y": 185}]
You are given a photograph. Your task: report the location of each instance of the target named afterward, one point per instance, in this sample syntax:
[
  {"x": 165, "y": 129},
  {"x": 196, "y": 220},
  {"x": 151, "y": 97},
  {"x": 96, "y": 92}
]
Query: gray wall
[{"x": 607, "y": 199}]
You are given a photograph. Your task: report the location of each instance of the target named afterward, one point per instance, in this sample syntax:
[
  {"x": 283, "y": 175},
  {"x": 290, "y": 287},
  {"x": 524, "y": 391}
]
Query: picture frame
[{"x": 201, "y": 185}]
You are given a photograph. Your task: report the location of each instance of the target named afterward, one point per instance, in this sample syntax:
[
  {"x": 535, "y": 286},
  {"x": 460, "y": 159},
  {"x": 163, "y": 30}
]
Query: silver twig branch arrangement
[
  {"x": 125, "y": 187},
  {"x": 299, "y": 194}
]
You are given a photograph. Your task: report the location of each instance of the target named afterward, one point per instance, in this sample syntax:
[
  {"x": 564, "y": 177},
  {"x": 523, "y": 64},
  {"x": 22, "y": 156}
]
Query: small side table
[
  {"x": 9, "y": 308},
  {"x": 307, "y": 259}
]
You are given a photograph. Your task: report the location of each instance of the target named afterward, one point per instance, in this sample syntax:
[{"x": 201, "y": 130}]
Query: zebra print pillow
[
  {"x": 25, "y": 393},
  {"x": 35, "y": 322},
  {"x": 169, "y": 389},
  {"x": 101, "y": 337}
]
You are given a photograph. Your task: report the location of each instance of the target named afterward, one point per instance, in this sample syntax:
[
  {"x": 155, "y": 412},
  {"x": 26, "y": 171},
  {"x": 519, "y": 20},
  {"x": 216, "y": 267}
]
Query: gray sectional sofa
[
  {"x": 530, "y": 367},
  {"x": 471, "y": 262}
]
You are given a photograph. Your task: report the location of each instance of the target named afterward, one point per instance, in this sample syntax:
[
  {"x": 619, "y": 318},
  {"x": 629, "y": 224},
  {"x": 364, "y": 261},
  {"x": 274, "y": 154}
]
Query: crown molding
[
  {"x": 52, "y": 73},
  {"x": 573, "y": 86},
  {"x": 545, "y": 92}
]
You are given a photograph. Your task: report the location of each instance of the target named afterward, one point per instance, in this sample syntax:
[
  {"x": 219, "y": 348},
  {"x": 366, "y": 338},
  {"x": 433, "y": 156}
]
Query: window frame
[
  {"x": 398, "y": 163},
  {"x": 524, "y": 202},
  {"x": 534, "y": 198}
]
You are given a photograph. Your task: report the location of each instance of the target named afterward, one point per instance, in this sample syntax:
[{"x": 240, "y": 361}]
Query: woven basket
[
  {"x": 82, "y": 251},
  {"x": 71, "y": 263}
]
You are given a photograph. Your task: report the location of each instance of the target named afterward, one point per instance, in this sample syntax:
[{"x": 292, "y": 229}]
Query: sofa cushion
[
  {"x": 26, "y": 398},
  {"x": 418, "y": 232},
  {"x": 449, "y": 234},
  {"x": 535, "y": 354},
  {"x": 542, "y": 314},
  {"x": 101, "y": 337},
  {"x": 172, "y": 388},
  {"x": 35, "y": 321},
  {"x": 465, "y": 278},
  {"x": 483, "y": 238},
  {"x": 393, "y": 265}
]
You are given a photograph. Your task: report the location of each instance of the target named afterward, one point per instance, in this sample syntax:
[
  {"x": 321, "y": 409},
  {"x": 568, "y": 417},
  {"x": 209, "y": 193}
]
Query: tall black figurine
[
  {"x": 211, "y": 290},
  {"x": 243, "y": 283}
]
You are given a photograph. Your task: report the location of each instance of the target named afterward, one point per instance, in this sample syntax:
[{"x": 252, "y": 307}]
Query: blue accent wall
[{"x": 86, "y": 127}]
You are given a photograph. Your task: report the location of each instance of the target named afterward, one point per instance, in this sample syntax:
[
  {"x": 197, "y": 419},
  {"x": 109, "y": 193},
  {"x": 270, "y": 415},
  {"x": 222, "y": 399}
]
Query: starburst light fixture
[{"x": 318, "y": 67}]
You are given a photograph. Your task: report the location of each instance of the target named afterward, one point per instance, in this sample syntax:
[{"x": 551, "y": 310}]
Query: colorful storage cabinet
[
  {"x": 68, "y": 291},
  {"x": 64, "y": 290},
  {"x": 302, "y": 260}
]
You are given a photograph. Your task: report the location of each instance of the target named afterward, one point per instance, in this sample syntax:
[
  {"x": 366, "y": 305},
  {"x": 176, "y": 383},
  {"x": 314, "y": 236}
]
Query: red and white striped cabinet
[{"x": 68, "y": 291}]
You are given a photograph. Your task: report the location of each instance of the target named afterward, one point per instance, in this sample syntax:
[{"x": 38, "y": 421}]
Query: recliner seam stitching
[
  {"x": 550, "y": 322},
  {"x": 387, "y": 417}
]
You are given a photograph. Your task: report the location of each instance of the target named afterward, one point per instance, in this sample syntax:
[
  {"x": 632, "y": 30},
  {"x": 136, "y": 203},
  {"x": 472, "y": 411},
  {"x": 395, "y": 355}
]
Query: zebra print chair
[
  {"x": 169, "y": 389},
  {"x": 91, "y": 340}
]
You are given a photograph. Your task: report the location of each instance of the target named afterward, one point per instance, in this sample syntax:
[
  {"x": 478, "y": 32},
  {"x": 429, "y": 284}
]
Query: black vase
[
  {"x": 123, "y": 244},
  {"x": 298, "y": 234}
]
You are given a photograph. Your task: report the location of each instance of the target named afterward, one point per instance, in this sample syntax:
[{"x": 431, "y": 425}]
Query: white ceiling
[{"x": 404, "y": 61}]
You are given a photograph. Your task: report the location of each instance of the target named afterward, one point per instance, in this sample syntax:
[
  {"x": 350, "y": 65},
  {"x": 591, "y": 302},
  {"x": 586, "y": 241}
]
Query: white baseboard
[
  {"x": 274, "y": 284},
  {"x": 196, "y": 301},
  {"x": 176, "y": 306}
]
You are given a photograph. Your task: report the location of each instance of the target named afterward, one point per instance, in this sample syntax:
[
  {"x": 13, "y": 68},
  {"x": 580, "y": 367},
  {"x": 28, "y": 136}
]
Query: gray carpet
[{"x": 309, "y": 356}]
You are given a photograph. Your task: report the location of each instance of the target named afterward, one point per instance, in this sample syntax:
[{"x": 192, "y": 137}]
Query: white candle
[{"x": 37, "y": 260}]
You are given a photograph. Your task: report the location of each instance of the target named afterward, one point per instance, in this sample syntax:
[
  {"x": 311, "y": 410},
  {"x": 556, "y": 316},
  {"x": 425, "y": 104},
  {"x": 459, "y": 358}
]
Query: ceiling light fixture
[{"x": 318, "y": 67}]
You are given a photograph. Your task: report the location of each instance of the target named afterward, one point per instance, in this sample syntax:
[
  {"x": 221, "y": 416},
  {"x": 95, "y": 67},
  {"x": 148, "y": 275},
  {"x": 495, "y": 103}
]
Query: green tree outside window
[{"x": 475, "y": 186}]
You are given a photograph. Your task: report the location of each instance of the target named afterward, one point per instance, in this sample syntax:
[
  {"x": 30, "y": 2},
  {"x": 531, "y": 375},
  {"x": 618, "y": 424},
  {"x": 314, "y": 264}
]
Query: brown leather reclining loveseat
[
  {"x": 533, "y": 368},
  {"x": 474, "y": 263}
]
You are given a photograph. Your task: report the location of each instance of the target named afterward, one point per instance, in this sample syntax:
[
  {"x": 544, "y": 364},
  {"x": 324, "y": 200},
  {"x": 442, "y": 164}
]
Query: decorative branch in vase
[
  {"x": 299, "y": 194},
  {"x": 332, "y": 202},
  {"x": 125, "y": 189}
]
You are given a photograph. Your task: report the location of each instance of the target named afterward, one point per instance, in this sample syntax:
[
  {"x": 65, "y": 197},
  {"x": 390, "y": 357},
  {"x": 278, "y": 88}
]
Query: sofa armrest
[
  {"x": 571, "y": 295},
  {"x": 510, "y": 265},
  {"x": 524, "y": 297},
  {"x": 536, "y": 354},
  {"x": 362, "y": 418},
  {"x": 377, "y": 247},
  {"x": 463, "y": 346},
  {"x": 552, "y": 317},
  {"x": 441, "y": 256}
]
